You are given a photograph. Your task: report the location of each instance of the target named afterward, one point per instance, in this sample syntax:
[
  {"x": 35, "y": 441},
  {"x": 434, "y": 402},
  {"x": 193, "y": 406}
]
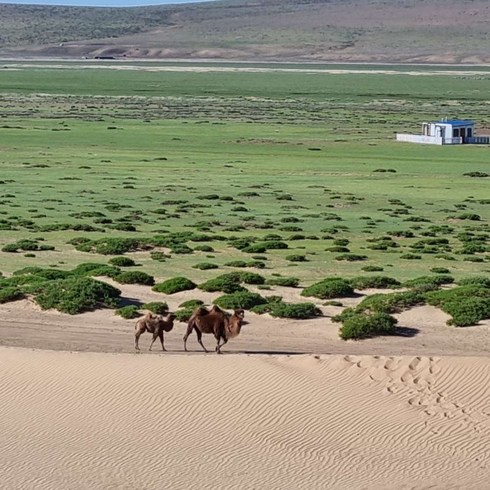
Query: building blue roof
[{"x": 457, "y": 122}]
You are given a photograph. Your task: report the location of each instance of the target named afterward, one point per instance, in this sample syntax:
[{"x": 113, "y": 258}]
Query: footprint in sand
[{"x": 414, "y": 363}]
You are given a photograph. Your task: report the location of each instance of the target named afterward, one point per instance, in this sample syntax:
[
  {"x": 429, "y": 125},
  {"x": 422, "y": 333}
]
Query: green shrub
[
  {"x": 236, "y": 263},
  {"x": 191, "y": 303},
  {"x": 291, "y": 282},
  {"x": 251, "y": 278},
  {"x": 294, "y": 310},
  {"x": 440, "y": 270},
  {"x": 467, "y": 312},
  {"x": 361, "y": 326},
  {"x": 157, "y": 307},
  {"x": 372, "y": 268},
  {"x": 351, "y": 257},
  {"x": 128, "y": 312},
  {"x": 122, "y": 261},
  {"x": 296, "y": 258},
  {"x": 482, "y": 281},
  {"x": 135, "y": 277},
  {"x": 174, "y": 285},
  {"x": 226, "y": 283},
  {"x": 9, "y": 294},
  {"x": 466, "y": 304},
  {"x": 159, "y": 256},
  {"x": 390, "y": 303},
  {"x": 91, "y": 269},
  {"x": 204, "y": 266},
  {"x": 377, "y": 282},
  {"x": 240, "y": 299},
  {"x": 111, "y": 246},
  {"x": 75, "y": 294},
  {"x": 429, "y": 282},
  {"x": 184, "y": 314},
  {"x": 331, "y": 287},
  {"x": 204, "y": 248}
]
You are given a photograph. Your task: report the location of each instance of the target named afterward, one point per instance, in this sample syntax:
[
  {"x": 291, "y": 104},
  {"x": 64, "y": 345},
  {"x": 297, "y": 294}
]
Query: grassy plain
[{"x": 310, "y": 157}]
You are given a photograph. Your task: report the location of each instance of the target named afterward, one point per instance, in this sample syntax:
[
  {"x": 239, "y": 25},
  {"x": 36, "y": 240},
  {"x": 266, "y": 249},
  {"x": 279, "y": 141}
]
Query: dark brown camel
[
  {"x": 216, "y": 321},
  {"x": 155, "y": 324}
]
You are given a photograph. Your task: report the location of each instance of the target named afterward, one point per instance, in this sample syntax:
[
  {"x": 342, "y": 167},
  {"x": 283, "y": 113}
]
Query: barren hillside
[{"x": 451, "y": 31}]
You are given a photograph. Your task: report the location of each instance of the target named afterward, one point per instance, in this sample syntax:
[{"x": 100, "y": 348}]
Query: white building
[{"x": 446, "y": 132}]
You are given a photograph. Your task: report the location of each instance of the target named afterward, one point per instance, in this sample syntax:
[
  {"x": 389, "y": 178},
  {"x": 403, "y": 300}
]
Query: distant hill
[{"x": 438, "y": 31}]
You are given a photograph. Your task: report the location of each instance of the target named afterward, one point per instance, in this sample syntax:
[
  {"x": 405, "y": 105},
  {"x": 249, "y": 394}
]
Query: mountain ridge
[{"x": 406, "y": 31}]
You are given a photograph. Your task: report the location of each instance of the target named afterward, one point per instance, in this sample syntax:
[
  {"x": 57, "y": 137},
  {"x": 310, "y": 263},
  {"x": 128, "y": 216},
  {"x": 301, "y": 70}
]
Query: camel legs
[
  {"x": 199, "y": 338},
  {"x": 137, "y": 336},
  {"x": 190, "y": 328},
  {"x": 161, "y": 340},
  {"x": 218, "y": 346}
]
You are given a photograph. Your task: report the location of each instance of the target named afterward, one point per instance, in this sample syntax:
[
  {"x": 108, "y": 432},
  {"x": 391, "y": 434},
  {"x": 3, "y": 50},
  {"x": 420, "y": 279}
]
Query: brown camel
[
  {"x": 216, "y": 321},
  {"x": 155, "y": 324}
]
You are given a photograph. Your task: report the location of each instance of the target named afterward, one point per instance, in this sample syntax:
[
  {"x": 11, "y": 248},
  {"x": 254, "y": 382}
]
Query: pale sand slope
[{"x": 125, "y": 421}]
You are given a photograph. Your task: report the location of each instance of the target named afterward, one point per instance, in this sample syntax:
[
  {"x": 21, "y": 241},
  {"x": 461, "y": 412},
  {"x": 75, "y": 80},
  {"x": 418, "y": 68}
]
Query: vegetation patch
[
  {"x": 328, "y": 288},
  {"x": 135, "y": 277},
  {"x": 174, "y": 285},
  {"x": 128, "y": 312},
  {"x": 358, "y": 326},
  {"x": 240, "y": 299}
]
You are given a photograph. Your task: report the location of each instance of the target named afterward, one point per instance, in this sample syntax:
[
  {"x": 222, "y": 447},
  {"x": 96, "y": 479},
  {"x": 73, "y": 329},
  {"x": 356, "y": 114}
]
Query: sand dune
[{"x": 101, "y": 420}]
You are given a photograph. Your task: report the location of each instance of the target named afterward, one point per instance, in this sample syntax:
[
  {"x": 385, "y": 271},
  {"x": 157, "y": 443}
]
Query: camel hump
[
  {"x": 201, "y": 311},
  {"x": 217, "y": 309}
]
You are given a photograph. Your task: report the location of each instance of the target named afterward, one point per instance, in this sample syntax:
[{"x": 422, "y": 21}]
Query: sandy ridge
[{"x": 90, "y": 420}]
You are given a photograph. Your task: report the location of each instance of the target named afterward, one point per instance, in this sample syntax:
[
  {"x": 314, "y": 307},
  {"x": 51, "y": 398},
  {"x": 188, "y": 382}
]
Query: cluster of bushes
[
  {"x": 26, "y": 245},
  {"x": 74, "y": 295},
  {"x": 240, "y": 299},
  {"x": 328, "y": 288},
  {"x": 132, "y": 311},
  {"x": 174, "y": 285},
  {"x": 363, "y": 325},
  {"x": 467, "y": 304},
  {"x": 277, "y": 308}
]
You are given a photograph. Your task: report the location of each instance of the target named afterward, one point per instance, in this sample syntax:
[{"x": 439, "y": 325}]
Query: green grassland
[{"x": 309, "y": 157}]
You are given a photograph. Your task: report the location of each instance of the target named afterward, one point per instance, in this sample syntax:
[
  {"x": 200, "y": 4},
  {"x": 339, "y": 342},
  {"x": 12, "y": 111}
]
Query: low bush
[
  {"x": 240, "y": 299},
  {"x": 184, "y": 314},
  {"x": 390, "y": 303},
  {"x": 236, "y": 263},
  {"x": 128, "y": 312},
  {"x": 9, "y": 294},
  {"x": 226, "y": 283},
  {"x": 360, "y": 326},
  {"x": 294, "y": 310},
  {"x": 122, "y": 261},
  {"x": 329, "y": 288},
  {"x": 135, "y": 277},
  {"x": 290, "y": 282},
  {"x": 204, "y": 266},
  {"x": 174, "y": 285},
  {"x": 482, "y": 281},
  {"x": 75, "y": 294},
  {"x": 191, "y": 303},
  {"x": 372, "y": 268},
  {"x": 204, "y": 248},
  {"x": 429, "y": 282},
  {"x": 157, "y": 307},
  {"x": 90, "y": 269},
  {"x": 377, "y": 282},
  {"x": 466, "y": 304},
  {"x": 251, "y": 278},
  {"x": 440, "y": 270},
  {"x": 351, "y": 257},
  {"x": 296, "y": 258}
]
